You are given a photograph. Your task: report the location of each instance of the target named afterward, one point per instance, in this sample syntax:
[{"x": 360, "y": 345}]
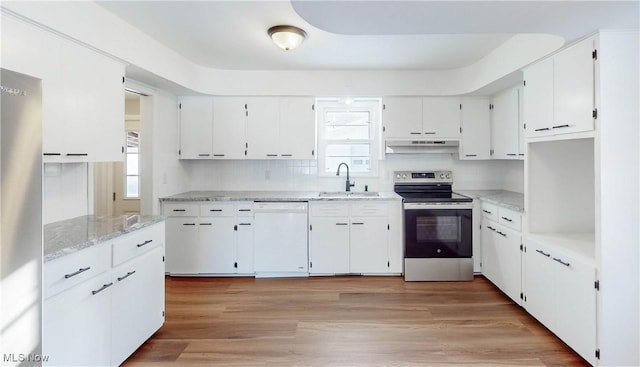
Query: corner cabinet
[
  {"x": 101, "y": 303},
  {"x": 559, "y": 92},
  {"x": 355, "y": 237}
]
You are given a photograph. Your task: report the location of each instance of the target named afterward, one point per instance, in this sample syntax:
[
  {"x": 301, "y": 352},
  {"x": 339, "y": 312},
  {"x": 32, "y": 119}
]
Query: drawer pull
[
  {"x": 179, "y": 210},
  {"x": 102, "y": 288},
  {"x": 126, "y": 276},
  {"x": 272, "y": 155},
  {"x": 415, "y": 133},
  {"x": 215, "y": 210},
  {"x": 245, "y": 224},
  {"x": 205, "y": 224},
  {"x": 507, "y": 219},
  {"x": 204, "y": 155},
  {"x": 286, "y": 155},
  {"x": 486, "y": 211},
  {"x": 244, "y": 210},
  {"x": 491, "y": 228},
  {"x": 144, "y": 243},
  {"x": 543, "y": 253},
  {"x": 560, "y": 126},
  {"x": 188, "y": 224},
  {"x": 542, "y": 129},
  {"x": 51, "y": 154},
  {"x": 357, "y": 223},
  {"x": 342, "y": 224},
  {"x": 561, "y": 262},
  {"x": 470, "y": 155},
  {"x": 81, "y": 270},
  {"x": 218, "y": 155},
  {"x": 502, "y": 234},
  {"x": 77, "y": 154}
]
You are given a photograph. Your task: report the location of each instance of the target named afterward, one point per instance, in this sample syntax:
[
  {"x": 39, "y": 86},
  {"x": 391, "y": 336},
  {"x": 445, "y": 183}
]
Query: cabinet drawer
[
  {"x": 216, "y": 210},
  {"x": 329, "y": 210},
  {"x": 510, "y": 218},
  {"x": 244, "y": 209},
  {"x": 67, "y": 271},
  {"x": 180, "y": 210},
  {"x": 369, "y": 209},
  {"x": 136, "y": 243},
  {"x": 489, "y": 211}
]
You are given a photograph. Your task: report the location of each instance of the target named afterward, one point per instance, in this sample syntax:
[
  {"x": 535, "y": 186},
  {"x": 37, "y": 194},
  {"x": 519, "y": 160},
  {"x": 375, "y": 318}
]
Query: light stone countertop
[
  {"x": 508, "y": 199},
  {"x": 72, "y": 235},
  {"x": 277, "y": 196}
]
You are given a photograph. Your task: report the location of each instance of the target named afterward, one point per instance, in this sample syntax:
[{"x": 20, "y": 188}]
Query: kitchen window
[
  {"x": 132, "y": 166},
  {"x": 348, "y": 131}
]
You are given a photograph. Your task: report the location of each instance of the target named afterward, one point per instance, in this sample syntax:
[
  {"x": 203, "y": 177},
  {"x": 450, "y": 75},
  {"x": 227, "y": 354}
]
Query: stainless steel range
[{"x": 437, "y": 236}]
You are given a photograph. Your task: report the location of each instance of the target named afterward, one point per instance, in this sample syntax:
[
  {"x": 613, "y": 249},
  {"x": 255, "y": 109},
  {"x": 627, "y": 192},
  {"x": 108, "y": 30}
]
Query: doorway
[{"x": 117, "y": 184}]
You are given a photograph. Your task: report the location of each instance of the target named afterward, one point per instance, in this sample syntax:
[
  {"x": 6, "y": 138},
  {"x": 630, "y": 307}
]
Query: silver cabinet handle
[
  {"x": 126, "y": 276},
  {"x": 561, "y": 262},
  {"x": 102, "y": 288},
  {"x": 543, "y": 253},
  {"x": 144, "y": 243},
  {"x": 81, "y": 270}
]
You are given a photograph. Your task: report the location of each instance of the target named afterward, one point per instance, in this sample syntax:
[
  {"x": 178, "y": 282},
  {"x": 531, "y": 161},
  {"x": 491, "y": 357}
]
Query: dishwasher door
[{"x": 281, "y": 239}]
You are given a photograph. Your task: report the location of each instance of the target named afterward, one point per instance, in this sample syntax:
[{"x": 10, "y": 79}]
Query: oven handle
[{"x": 423, "y": 206}]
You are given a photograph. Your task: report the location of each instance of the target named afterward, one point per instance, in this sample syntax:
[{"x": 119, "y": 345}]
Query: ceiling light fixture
[{"x": 287, "y": 37}]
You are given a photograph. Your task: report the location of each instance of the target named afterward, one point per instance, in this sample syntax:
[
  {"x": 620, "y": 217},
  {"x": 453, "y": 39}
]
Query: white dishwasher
[{"x": 280, "y": 239}]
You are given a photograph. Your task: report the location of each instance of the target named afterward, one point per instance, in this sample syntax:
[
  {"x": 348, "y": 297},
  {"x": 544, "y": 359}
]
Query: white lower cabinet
[
  {"x": 355, "y": 237},
  {"x": 206, "y": 238},
  {"x": 560, "y": 293},
  {"x": 104, "y": 319}
]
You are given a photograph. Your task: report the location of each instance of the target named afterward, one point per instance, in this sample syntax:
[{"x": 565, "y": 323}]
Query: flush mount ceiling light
[{"x": 287, "y": 37}]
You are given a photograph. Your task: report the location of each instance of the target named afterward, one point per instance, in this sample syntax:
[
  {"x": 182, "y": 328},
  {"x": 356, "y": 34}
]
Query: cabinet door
[
  {"x": 538, "y": 98},
  {"x": 402, "y": 117},
  {"x": 575, "y": 298},
  {"x": 505, "y": 125},
  {"x": 441, "y": 117},
  {"x": 369, "y": 242},
  {"x": 263, "y": 127},
  {"x": 229, "y": 128},
  {"x": 509, "y": 262},
  {"x": 76, "y": 324},
  {"x": 137, "y": 303},
  {"x": 396, "y": 237},
  {"x": 329, "y": 245},
  {"x": 538, "y": 283},
  {"x": 196, "y": 128},
  {"x": 217, "y": 245},
  {"x": 489, "y": 252},
  {"x": 182, "y": 245},
  {"x": 475, "y": 142},
  {"x": 573, "y": 89},
  {"x": 522, "y": 144},
  {"x": 297, "y": 128},
  {"x": 244, "y": 245}
]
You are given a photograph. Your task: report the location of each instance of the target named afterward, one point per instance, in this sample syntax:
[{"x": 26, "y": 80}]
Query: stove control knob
[
  {"x": 404, "y": 176},
  {"x": 448, "y": 176},
  {"x": 397, "y": 176},
  {"x": 442, "y": 176}
]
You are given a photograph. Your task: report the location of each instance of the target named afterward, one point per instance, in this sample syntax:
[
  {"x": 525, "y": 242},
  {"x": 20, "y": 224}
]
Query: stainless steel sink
[{"x": 345, "y": 194}]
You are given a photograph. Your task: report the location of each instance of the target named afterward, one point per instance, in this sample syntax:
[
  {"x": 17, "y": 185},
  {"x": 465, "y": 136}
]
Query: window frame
[
  {"x": 374, "y": 107},
  {"x": 126, "y": 174}
]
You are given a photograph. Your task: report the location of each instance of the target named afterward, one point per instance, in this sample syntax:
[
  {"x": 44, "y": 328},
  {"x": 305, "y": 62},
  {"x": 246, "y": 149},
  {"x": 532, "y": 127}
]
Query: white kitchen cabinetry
[
  {"x": 263, "y": 127},
  {"x": 559, "y": 92},
  {"x": 475, "y": 142},
  {"x": 209, "y": 238},
  {"x": 501, "y": 249},
  {"x": 229, "y": 128},
  {"x": 505, "y": 124},
  {"x": 402, "y": 117},
  {"x": 83, "y": 106},
  {"x": 355, "y": 237},
  {"x": 560, "y": 292},
  {"x": 196, "y": 127},
  {"x": 103, "y": 319},
  {"x": 425, "y": 118}
]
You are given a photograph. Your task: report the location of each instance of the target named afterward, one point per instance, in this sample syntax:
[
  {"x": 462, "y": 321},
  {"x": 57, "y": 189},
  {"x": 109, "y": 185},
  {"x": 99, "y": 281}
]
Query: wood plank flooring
[{"x": 346, "y": 321}]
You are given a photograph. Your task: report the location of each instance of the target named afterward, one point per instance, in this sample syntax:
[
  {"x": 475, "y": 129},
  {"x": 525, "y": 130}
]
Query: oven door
[{"x": 438, "y": 230}]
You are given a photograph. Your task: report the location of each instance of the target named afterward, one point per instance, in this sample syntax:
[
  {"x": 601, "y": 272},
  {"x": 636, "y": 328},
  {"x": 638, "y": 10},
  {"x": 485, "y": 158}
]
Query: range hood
[{"x": 421, "y": 146}]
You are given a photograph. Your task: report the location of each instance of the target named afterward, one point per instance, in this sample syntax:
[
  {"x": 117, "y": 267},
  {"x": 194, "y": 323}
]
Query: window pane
[
  {"x": 132, "y": 164},
  {"x": 334, "y": 150},
  {"x": 347, "y": 118},
  {"x": 132, "y": 187},
  {"x": 133, "y": 141},
  {"x": 335, "y": 132},
  {"x": 356, "y": 164}
]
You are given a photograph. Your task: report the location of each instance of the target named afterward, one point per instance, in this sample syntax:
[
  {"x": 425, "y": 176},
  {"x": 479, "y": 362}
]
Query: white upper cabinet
[
  {"x": 475, "y": 140},
  {"x": 263, "y": 127},
  {"x": 559, "y": 92},
  {"x": 229, "y": 128},
  {"x": 426, "y": 118},
  {"x": 505, "y": 128},
  {"x": 441, "y": 117},
  {"x": 402, "y": 117},
  {"x": 196, "y": 127},
  {"x": 297, "y": 128},
  {"x": 83, "y": 105}
]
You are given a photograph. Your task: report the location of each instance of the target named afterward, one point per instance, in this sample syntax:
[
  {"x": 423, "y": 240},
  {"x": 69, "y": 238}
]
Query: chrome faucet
[{"x": 348, "y": 184}]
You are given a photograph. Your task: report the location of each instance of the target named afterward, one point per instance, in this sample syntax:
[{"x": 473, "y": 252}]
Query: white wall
[
  {"x": 513, "y": 178},
  {"x": 65, "y": 191}
]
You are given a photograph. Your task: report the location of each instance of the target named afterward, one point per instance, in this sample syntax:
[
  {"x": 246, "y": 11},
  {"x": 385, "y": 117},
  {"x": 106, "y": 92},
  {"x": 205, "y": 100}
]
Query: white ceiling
[{"x": 374, "y": 35}]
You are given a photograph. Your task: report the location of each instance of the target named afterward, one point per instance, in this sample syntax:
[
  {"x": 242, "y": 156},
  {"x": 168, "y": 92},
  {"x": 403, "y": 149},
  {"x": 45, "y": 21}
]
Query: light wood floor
[{"x": 346, "y": 321}]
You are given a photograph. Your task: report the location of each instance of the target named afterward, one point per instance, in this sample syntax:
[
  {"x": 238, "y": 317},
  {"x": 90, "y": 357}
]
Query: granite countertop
[
  {"x": 278, "y": 196},
  {"x": 72, "y": 235},
  {"x": 508, "y": 199}
]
